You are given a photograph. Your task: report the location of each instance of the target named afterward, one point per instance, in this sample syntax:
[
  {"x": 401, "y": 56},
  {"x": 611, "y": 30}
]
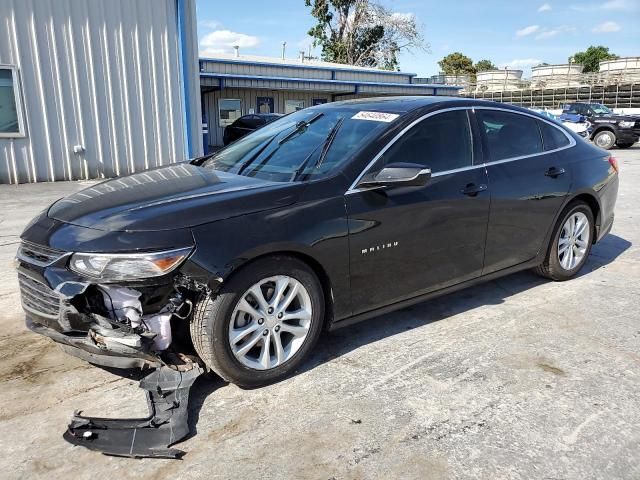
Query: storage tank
[
  {"x": 498, "y": 80},
  {"x": 622, "y": 70},
  {"x": 556, "y": 76}
]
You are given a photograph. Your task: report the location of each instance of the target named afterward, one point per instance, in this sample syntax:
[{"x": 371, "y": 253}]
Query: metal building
[
  {"x": 95, "y": 88},
  {"x": 235, "y": 85}
]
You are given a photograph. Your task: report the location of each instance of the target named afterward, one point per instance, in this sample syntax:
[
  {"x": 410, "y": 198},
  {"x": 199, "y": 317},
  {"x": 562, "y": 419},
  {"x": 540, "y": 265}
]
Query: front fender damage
[{"x": 134, "y": 322}]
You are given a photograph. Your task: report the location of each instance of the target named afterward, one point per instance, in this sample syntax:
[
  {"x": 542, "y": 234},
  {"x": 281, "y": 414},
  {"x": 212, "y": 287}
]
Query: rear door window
[
  {"x": 552, "y": 137},
  {"x": 510, "y": 135},
  {"x": 441, "y": 142}
]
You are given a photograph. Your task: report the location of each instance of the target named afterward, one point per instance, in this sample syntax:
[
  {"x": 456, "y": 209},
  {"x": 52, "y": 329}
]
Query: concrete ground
[{"x": 518, "y": 378}]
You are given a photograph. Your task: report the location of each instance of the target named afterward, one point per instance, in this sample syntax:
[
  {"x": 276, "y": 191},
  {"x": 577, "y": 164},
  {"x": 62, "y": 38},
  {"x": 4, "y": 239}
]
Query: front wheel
[
  {"x": 605, "y": 139},
  {"x": 262, "y": 324},
  {"x": 570, "y": 244}
]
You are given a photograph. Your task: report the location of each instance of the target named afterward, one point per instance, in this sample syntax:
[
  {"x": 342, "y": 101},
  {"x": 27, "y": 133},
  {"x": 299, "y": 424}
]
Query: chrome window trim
[{"x": 572, "y": 143}]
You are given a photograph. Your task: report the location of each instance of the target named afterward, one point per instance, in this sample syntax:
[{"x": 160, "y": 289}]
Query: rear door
[
  {"x": 406, "y": 241},
  {"x": 529, "y": 179}
]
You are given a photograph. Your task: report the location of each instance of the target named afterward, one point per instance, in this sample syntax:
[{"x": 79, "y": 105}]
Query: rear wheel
[
  {"x": 570, "y": 244},
  {"x": 262, "y": 324},
  {"x": 605, "y": 139},
  {"x": 624, "y": 145}
]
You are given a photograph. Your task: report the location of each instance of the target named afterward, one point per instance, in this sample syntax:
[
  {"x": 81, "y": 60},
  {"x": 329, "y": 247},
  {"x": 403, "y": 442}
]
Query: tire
[
  {"x": 605, "y": 139},
  {"x": 624, "y": 145},
  {"x": 215, "y": 318},
  {"x": 554, "y": 267}
]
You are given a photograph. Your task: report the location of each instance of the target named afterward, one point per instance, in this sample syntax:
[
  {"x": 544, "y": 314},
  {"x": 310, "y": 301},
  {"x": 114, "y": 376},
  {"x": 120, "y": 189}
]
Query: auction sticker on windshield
[{"x": 376, "y": 116}]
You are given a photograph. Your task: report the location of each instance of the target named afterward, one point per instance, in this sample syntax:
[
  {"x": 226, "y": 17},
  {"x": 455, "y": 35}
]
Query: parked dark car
[
  {"x": 328, "y": 216},
  {"x": 247, "y": 124},
  {"x": 606, "y": 128}
]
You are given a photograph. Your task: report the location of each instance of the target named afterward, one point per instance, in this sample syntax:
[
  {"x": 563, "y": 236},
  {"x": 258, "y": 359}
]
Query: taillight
[{"x": 614, "y": 163}]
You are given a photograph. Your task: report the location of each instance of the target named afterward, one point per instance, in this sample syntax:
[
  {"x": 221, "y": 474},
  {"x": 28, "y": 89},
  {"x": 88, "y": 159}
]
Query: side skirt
[{"x": 428, "y": 296}]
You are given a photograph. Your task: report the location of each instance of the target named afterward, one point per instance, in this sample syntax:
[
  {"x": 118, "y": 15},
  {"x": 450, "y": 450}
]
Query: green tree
[
  {"x": 591, "y": 58},
  {"x": 363, "y": 33},
  {"x": 485, "y": 66},
  {"x": 457, "y": 64}
]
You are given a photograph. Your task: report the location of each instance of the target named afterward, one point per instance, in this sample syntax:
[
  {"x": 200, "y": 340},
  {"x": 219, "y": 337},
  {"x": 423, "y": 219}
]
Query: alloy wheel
[
  {"x": 573, "y": 241},
  {"x": 270, "y": 322}
]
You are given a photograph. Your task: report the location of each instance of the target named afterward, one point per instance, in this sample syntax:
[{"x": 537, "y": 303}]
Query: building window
[
  {"x": 319, "y": 101},
  {"x": 265, "y": 105},
  {"x": 291, "y": 106},
  {"x": 10, "y": 107},
  {"x": 230, "y": 110}
]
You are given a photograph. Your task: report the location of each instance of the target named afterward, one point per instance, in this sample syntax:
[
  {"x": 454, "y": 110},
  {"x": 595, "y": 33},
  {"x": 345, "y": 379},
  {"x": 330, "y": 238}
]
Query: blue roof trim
[
  {"x": 330, "y": 82},
  {"x": 184, "y": 75},
  {"x": 308, "y": 67}
]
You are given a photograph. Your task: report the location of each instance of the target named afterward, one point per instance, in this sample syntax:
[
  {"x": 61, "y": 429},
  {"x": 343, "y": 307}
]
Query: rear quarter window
[{"x": 552, "y": 137}]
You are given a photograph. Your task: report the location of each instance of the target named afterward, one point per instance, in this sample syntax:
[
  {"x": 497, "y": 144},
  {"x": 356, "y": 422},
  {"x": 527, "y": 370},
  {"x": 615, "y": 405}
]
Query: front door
[{"x": 406, "y": 241}]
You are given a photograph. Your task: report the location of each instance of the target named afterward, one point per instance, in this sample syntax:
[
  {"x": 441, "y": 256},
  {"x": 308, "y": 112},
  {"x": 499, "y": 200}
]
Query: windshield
[
  {"x": 306, "y": 144},
  {"x": 599, "y": 109}
]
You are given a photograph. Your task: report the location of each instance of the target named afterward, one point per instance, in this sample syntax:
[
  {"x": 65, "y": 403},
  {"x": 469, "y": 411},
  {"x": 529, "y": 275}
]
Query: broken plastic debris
[{"x": 167, "y": 398}]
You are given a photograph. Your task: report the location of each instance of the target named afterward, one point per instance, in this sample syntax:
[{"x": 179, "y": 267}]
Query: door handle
[
  {"x": 472, "y": 189},
  {"x": 554, "y": 172}
]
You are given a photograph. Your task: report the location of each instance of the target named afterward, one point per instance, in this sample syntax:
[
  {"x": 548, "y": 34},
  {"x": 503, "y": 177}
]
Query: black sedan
[
  {"x": 247, "y": 124},
  {"x": 328, "y": 216}
]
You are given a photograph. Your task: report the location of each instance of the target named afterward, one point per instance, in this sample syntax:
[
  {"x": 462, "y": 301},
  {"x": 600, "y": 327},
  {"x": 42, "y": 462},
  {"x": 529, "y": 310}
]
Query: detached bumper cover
[{"x": 167, "y": 398}]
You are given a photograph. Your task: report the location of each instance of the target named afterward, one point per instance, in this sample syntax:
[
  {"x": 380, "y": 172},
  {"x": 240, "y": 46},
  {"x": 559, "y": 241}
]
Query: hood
[{"x": 167, "y": 198}]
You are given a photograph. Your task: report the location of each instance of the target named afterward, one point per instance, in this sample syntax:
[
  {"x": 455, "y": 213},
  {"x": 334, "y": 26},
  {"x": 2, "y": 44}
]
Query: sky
[{"x": 515, "y": 34}]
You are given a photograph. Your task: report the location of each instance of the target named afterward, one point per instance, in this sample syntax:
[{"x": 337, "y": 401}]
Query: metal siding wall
[
  {"x": 302, "y": 72},
  {"x": 266, "y": 70},
  {"x": 249, "y": 100},
  {"x": 372, "y": 77},
  {"x": 104, "y": 75}
]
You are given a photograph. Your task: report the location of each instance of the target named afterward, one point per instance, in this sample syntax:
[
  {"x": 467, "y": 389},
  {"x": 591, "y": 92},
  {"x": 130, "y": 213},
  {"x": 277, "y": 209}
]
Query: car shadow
[
  {"x": 342, "y": 341},
  {"x": 604, "y": 252},
  {"x": 339, "y": 342}
]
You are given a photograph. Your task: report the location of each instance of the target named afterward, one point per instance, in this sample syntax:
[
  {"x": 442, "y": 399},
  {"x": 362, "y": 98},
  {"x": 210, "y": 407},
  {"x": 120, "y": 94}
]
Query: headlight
[
  {"x": 627, "y": 124},
  {"x": 127, "y": 266}
]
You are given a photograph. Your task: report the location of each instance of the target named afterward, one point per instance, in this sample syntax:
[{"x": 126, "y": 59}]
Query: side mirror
[{"x": 397, "y": 175}]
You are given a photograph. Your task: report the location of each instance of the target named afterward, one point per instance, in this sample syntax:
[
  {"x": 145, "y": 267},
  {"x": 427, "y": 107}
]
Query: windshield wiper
[
  {"x": 300, "y": 126},
  {"x": 323, "y": 153},
  {"x": 328, "y": 142}
]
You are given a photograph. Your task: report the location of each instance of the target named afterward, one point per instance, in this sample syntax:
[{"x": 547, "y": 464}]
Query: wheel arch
[
  {"x": 594, "y": 204},
  {"x": 305, "y": 257},
  {"x": 601, "y": 128}
]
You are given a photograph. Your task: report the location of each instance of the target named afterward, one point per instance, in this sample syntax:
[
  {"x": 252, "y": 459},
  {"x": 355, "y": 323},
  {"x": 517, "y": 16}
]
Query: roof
[
  {"x": 290, "y": 62},
  {"x": 401, "y": 103}
]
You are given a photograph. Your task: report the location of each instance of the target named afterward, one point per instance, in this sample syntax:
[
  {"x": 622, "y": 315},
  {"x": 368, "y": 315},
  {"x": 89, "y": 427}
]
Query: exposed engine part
[
  {"x": 161, "y": 325},
  {"x": 125, "y": 305},
  {"x": 167, "y": 392}
]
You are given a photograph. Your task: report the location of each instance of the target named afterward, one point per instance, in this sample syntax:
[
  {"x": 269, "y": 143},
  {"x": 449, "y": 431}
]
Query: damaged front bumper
[
  {"x": 85, "y": 348},
  {"x": 142, "y": 324},
  {"x": 118, "y": 326}
]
